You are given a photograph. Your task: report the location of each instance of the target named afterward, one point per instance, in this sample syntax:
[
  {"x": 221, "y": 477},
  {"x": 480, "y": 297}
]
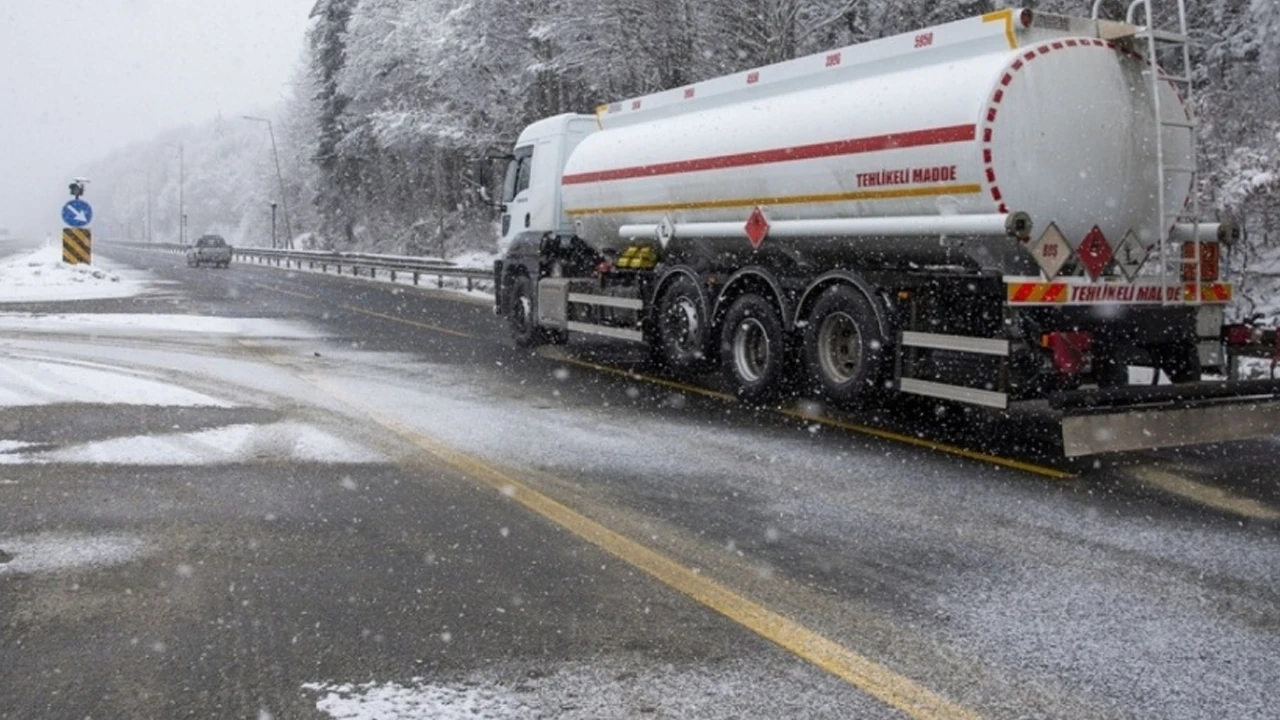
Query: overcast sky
[{"x": 79, "y": 78}]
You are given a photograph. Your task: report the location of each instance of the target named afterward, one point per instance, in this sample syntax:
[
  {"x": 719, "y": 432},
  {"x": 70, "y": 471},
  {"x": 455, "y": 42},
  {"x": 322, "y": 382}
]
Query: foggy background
[{"x": 85, "y": 77}]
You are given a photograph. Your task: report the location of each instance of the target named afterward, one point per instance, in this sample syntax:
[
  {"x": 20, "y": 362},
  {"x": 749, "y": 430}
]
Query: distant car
[{"x": 209, "y": 250}]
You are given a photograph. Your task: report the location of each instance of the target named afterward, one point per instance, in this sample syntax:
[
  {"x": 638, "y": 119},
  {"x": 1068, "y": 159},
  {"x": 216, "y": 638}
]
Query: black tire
[
  {"x": 844, "y": 349},
  {"x": 753, "y": 348},
  {"x": 682, "y": 328},
  {"x": 522, "y": 313}
]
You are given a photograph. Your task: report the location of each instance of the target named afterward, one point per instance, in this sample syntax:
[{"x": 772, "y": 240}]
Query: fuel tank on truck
[{"x": 995, "y": 114}]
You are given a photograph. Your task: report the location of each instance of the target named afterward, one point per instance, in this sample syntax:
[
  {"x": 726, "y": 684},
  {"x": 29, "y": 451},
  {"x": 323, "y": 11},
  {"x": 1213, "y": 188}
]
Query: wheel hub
[
  {"x": 682, "y": 325},
  {"x": 750, "y": 350},
  {"x": 839, "y": 347}
]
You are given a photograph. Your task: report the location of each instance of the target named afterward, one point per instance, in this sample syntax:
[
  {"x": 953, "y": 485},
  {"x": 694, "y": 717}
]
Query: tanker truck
[{"x": 996, "y": 211}]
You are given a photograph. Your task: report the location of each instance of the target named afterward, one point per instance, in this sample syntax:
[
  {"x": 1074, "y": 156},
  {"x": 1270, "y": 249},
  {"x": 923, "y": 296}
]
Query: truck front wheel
[
  {"x": 843, "y": 345},
  {"x": 753, "y": 348},
  {"x": 520, "y": 314}
]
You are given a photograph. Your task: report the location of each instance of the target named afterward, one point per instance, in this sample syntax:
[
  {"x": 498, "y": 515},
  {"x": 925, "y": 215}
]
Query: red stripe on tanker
[{"x": 852, "y": 146}]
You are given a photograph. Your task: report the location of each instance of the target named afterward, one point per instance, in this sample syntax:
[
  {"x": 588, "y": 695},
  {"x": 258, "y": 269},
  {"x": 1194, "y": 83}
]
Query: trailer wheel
[
  {"x": 843, "y": 346},
  {"x": 683, "y": 331},
  {"x": 753, "y": 348}
]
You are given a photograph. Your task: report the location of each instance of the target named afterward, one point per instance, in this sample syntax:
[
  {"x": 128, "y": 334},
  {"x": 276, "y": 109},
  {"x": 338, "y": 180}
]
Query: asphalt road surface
[{"x": 368, "y": 501}]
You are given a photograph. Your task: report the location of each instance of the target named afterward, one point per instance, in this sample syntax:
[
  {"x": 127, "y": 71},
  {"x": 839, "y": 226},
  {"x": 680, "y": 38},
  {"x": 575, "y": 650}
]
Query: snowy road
[{"x": 258, "y": 493}]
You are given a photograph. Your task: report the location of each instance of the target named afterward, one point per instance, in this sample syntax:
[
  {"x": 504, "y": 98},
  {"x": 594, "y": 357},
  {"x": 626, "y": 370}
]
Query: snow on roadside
[
  {"x": 53, "y": 552},
  {"x": 291, "y": 441},
  {"x": 41, "y": 276},
  {"x": 26, "y": 381},
  {"x": 136, "y": 324},
  {"x": 603, "y": 688}
]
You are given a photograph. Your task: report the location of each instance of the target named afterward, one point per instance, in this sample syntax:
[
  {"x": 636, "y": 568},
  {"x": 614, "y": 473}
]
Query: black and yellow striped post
[{"x": 77, "y": 246}]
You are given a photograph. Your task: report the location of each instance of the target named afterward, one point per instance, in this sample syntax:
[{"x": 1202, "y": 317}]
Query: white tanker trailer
[{"x": 990, "y": 211}]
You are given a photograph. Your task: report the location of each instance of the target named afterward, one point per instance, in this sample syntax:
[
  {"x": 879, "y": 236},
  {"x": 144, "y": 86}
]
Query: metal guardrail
[{"x": 355, "y": 264}]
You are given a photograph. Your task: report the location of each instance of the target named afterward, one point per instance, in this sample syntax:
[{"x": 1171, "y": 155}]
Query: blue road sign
[{"x": 77, "y": 213}]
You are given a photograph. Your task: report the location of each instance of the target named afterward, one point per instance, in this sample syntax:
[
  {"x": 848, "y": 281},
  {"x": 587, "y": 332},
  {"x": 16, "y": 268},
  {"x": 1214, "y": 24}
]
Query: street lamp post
[
  {"x": 273, "y": 226},
  {"x": 288, "y": 229},
  {"x": 149, "y": 239},
  {"x": 182, "y": 182}
]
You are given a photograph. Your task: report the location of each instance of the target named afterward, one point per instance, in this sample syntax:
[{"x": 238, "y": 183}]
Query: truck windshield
[{"x": 517, "y": 178}]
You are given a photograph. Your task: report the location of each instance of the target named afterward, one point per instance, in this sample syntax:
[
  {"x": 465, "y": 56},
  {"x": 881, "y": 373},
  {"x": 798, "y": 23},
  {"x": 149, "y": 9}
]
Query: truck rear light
[
  {"x": 1237, "y": 335},
  {"x": 1209, "y": 269},
  {"x": 1070, "y": 350}
]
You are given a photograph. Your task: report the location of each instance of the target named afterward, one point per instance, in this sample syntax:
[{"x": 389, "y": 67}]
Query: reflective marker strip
[
  {"x": 1215, "y": 293},
  {"x": 1059, "y": 293},
  {"x": 1037, "y": 293}
]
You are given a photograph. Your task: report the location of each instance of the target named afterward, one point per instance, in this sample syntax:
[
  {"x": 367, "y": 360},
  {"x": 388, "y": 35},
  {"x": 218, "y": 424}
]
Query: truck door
[{"x": 515, "y": 193}]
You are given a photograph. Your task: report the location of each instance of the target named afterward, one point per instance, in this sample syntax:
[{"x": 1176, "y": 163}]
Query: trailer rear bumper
[{"x": 1223, "y": 412}]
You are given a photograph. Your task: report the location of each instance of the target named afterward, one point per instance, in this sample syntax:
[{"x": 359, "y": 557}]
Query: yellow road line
[
  {"x": 786, "y": 200},
  {"x": 424, "y": 326},
  {"x": 565, "y": 358},
  {"x": 852, "y": 427},
  {"x": 286, "y": 292},
  {"x": 1206, "y": 495},
  {"x": 932, "y": 445},
  {"x": 863, "y": 673}
]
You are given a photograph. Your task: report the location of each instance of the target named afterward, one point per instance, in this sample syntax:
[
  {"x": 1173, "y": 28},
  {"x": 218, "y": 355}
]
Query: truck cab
[{"x": 531, "y": 189}]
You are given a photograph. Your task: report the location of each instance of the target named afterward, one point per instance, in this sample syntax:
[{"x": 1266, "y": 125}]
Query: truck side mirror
[{"x": 483, "y": 176}]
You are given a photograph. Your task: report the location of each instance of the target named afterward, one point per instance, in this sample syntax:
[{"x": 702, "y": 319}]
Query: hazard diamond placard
[
  {"x": 1095, "y": 253},
  {"x": 1131, "y": 254},
  {"x": 1051, "y": 251},
  {"x": 757, "y": 228}
]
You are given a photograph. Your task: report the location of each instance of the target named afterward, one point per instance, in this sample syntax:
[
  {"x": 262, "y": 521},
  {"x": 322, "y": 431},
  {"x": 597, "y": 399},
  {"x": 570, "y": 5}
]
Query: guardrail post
[
  {"x": 440, "y": 281},
  {"x": 468, "y": 283},
  {"x": 415, "y": 277},
  {"x": 393, "y": 276}
]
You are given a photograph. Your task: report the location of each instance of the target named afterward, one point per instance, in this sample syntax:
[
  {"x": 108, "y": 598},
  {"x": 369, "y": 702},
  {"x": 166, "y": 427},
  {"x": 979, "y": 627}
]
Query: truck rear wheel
[
  {"x": 683, "y": 333},
  {"x": 843, "y": 345},
  {"x": 753, "y": 348}
]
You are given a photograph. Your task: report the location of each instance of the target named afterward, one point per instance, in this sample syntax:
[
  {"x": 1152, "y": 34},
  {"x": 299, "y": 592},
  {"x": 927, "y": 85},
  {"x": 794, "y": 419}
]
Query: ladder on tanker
[{"x": 1183, "y": 263}]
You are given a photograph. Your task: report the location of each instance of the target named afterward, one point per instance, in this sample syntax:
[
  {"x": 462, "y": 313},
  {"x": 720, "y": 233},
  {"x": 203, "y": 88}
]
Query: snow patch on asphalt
[
  {"x": 392, "y": 700},
  {"x": 289, "y": 441},
  {"x": 603, "y": 689},
  {"x": 41, "y": 276},
  {"x": 26, "y": 382},
  {"x": 140, "y": 325},
  {"x": 58, "y": 552}
]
